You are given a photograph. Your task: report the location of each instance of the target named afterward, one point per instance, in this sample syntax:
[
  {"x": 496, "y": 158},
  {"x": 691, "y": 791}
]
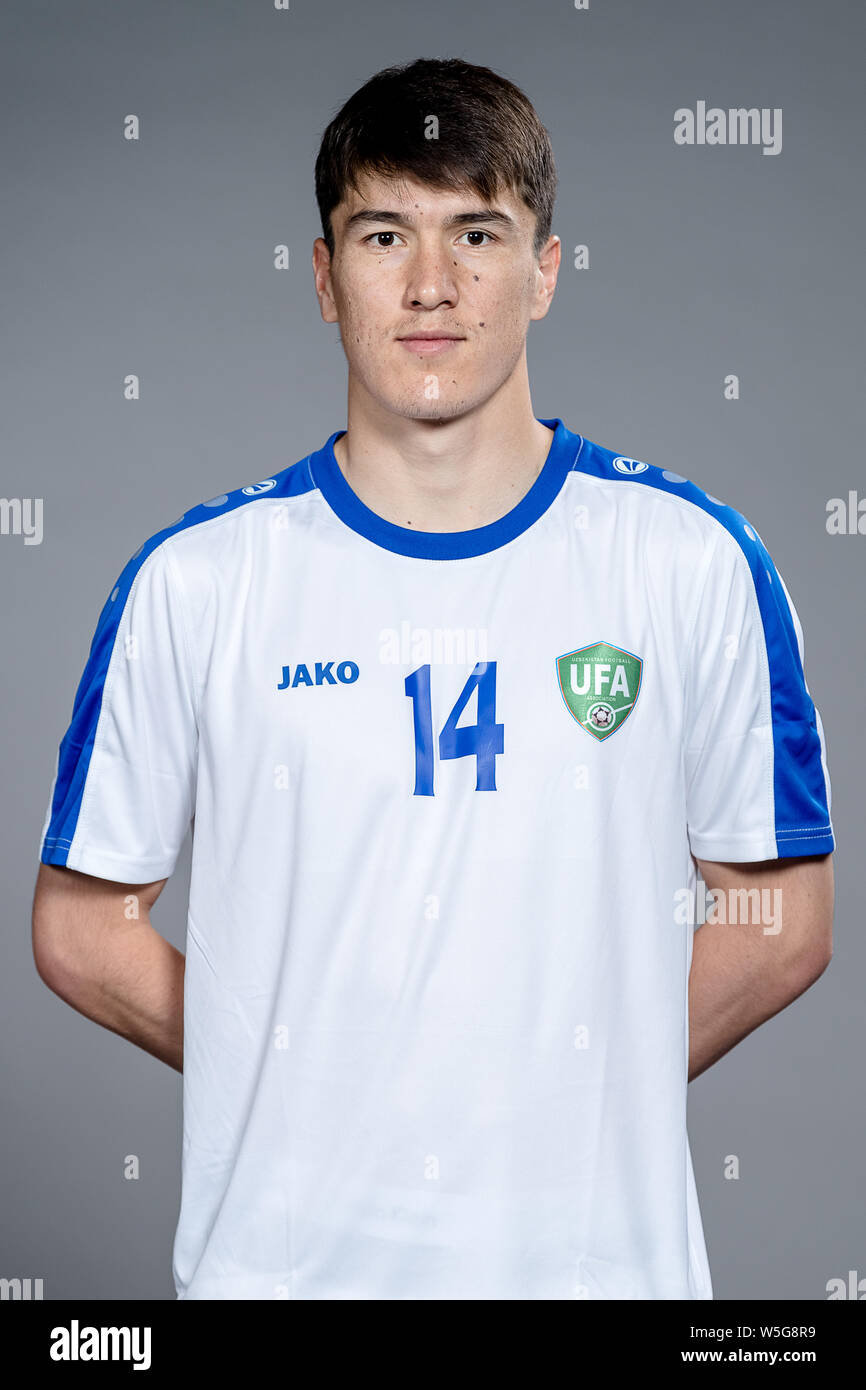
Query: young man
[{"x": 455, "y": 700}]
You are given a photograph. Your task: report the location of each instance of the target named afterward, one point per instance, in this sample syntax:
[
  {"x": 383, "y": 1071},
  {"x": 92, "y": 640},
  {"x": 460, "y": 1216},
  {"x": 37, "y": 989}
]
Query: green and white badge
[{"x": 600, "y": 685}]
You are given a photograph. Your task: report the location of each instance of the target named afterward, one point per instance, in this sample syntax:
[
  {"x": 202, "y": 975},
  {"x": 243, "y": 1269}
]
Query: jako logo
[
  {"x": 629, "y": 465},
  {"x": 101, "y": 1344},
  {"x": 347, "y": 672},
  {"x": 255, "y": 488}
]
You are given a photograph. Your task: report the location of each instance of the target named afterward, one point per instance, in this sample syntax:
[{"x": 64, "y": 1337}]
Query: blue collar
[{"x": 446, "y": 545}]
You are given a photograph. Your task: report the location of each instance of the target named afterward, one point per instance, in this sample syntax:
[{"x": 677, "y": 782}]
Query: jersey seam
[
  {"x": 766, "y": 691},
  {"x": 766, "y": 695},
  {"x": 689, "y": 647},
  {"x": 93, "y": 775},
  {"x": 805, "y": 829},
  {"x": 692, "y": 627},
  {"x": 90, "y": 852},
  {"x": 766, "y": 685},
  {"x": 173, "y": 569}
]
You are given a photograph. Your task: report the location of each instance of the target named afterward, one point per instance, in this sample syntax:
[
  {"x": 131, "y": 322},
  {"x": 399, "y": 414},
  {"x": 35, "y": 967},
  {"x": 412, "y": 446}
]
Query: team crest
[{"x": 600, "y": 686}]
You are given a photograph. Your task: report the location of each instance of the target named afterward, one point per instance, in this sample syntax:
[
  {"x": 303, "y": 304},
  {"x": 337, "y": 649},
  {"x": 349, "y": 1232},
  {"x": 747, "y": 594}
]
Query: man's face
[{"x": 413, "y": 260}]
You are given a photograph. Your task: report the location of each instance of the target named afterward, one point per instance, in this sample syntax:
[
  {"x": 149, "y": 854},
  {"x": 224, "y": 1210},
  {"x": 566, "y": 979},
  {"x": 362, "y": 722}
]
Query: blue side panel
[
  {"x": 76, "y": 748},
  {"x": 802, "y": 818}
]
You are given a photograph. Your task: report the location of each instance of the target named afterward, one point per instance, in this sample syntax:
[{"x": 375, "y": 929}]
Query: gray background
[{"x": 155, "y": 257}]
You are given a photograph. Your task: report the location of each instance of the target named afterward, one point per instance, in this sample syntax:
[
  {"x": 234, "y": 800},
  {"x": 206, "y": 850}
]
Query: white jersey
[{"x": 446, "y": 788}]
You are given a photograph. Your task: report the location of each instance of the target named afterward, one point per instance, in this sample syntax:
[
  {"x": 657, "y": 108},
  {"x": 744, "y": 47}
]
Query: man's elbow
[
  {"x": 52, "y": 964},
  {"x": 54, "y": 944},
  {"x": 808, "y": 964}
]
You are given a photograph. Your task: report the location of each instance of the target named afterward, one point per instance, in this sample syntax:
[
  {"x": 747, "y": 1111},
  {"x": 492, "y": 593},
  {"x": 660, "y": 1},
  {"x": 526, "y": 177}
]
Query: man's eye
[
  {"x": 377, "y": 234},
  {"x": 478, "y": 232}
]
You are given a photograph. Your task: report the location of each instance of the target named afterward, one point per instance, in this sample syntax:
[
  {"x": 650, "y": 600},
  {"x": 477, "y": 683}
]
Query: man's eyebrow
[{"x": 457, "y": 219}]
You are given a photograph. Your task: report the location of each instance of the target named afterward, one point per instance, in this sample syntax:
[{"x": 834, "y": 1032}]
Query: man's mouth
[{"x": 427, "y": 343}]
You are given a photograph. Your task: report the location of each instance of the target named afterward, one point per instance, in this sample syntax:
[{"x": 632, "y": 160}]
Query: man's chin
[{"x": 434, "y": 412}]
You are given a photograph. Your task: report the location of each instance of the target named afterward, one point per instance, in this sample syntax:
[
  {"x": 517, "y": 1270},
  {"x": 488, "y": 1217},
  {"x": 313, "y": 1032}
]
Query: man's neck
[{"x": 449, "y": 475}]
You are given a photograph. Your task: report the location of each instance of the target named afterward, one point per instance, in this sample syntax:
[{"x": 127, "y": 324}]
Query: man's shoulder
[
  {"x": 248, "y": 503},
  {"x": 687, "y": 507},
  {"x": 211, "y": 536},
  {"x": 208, "y": 528}
]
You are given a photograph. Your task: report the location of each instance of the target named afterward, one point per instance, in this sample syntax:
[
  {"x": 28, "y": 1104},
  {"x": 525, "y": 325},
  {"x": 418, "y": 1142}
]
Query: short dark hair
[{"x": 489, "y": 137}]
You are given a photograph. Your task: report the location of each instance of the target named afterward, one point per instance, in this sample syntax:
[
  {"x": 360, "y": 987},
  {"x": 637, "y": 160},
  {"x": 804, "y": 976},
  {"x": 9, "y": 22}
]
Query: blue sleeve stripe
[
  {"x": 801, "y": 802},
  {"x": 76, "y": 747}
]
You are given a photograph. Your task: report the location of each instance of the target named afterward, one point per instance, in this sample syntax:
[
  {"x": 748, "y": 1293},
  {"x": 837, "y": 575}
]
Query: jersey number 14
[{"x": 481, "y": 740}]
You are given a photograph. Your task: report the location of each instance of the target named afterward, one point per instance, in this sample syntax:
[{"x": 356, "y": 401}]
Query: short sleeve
[
  {"x": 123, "y": 793},
  {"x": 757, "y": 784}
]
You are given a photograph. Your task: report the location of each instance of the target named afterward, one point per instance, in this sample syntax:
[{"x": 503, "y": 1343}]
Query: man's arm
[
  {"x": 109, "y": 964},
  {"x": 745, "y": 970}
]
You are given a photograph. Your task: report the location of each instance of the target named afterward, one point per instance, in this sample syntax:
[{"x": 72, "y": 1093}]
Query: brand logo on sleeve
[
  {"x": 600, "y": 685},
  {"x": 623, "y": 465},
  {"x": 253, "y": 489}
]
